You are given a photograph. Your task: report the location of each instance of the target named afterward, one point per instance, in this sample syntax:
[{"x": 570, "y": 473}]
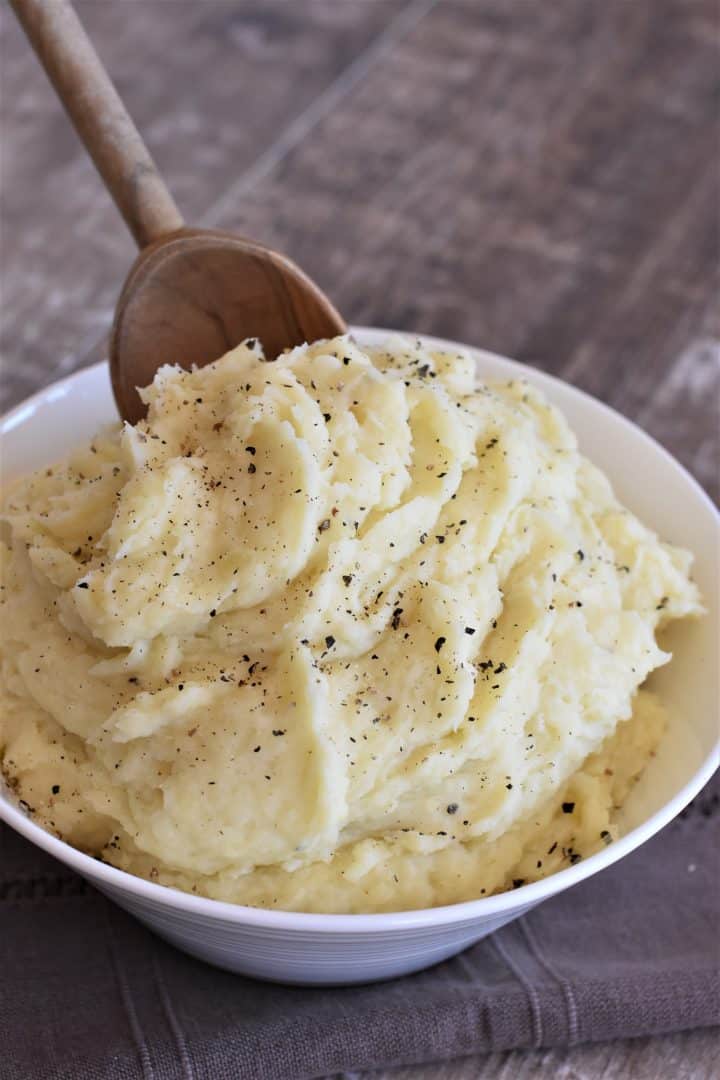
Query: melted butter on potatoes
[{"x": 341, "y": 632}]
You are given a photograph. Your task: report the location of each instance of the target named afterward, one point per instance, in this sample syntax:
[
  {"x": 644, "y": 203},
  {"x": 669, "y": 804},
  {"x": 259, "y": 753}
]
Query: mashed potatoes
[{"x": 343, "y": 632}]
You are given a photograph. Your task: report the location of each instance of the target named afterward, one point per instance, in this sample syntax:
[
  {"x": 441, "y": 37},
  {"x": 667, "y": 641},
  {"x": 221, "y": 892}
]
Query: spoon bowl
[{"x": 193, "y": 295}]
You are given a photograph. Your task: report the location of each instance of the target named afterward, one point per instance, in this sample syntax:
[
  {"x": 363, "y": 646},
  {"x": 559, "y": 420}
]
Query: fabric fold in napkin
[{"x": 87, "y": 993}]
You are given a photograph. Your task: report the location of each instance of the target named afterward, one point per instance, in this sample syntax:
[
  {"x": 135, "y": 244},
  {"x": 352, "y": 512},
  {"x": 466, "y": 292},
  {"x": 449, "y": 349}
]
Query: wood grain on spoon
[
  {"x": 195, "y": 294},
  {"x": 191, "y": 294}
]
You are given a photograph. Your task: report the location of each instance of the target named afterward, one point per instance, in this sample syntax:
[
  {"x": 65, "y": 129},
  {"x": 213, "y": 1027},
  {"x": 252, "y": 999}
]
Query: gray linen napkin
[{"x": 88, "y": 993}]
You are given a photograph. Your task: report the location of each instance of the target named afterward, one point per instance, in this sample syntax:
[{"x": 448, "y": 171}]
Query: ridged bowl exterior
[{"x": 310, "y": 957}]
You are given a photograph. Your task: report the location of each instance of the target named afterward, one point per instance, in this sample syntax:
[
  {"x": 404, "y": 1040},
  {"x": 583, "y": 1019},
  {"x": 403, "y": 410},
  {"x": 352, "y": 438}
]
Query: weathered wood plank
[
  {"x": 551, "y": 197},
  {"x": 691, "y": 1055},
  {"x": 505, "y": 176}
]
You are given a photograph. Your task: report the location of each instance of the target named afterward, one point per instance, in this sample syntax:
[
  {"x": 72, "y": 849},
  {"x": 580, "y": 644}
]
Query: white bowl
[{"x": 342, "y": 949}]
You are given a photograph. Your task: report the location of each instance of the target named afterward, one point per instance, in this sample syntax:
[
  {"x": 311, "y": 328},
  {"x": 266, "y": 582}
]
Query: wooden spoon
[{"x": 191, "y": 294}]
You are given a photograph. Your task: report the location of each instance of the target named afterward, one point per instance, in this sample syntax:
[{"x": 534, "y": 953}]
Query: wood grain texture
[
  {"x": 541, "y": 182},
  {"x": 539, "y": 179},
  {"x": 101, "y": 120},
  {"x": 550, "y": 196},
  {"x": 691, "y": 1055}
]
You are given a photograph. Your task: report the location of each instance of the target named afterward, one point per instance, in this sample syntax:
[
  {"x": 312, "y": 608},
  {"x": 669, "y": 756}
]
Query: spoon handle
[{"x": 100, "y": 118}]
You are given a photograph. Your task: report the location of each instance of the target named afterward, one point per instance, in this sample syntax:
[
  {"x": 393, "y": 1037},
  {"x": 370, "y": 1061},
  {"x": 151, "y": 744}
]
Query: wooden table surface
[{"x": 537, "y": 178}]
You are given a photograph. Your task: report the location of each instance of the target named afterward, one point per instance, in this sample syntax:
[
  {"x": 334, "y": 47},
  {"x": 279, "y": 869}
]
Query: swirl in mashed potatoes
[{"x": 345, "y": 632}]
